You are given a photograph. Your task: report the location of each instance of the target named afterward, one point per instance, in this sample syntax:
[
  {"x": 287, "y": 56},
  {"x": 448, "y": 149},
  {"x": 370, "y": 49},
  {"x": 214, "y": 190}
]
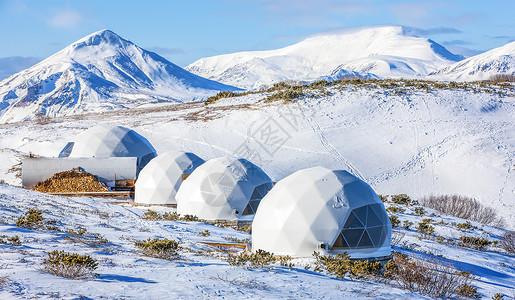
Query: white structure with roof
[
  {"x": 110, "y": 141},
  {"x": 159, "y": 181},
  {"x": 321, "y": 210},
  {"x": 223, "y": 189}
]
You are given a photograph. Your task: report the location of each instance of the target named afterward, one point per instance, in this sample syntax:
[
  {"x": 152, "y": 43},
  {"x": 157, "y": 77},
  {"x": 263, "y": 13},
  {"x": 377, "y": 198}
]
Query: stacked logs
[{"x": 74, "y": 181}]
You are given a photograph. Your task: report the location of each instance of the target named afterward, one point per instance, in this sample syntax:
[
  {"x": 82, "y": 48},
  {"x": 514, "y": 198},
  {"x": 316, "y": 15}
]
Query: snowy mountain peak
[
  {"x": 482, "y": 66},
  {"x": 99, "y": 72},
  {"x": 102, "y": 36},
  {"x": 384, "y": 51}
]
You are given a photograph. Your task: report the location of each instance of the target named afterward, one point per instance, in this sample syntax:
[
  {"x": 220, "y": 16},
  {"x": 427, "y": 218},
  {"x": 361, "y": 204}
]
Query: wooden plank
[
  {"x": 220, "y": 245},
  {"x": 97, "y": 194}
]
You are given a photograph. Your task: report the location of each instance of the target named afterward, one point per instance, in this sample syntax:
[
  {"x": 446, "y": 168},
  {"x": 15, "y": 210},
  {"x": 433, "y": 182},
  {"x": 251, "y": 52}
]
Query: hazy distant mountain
[
  {"x": 386, "y": 51},
  {"x": 99, "y": 72},
  {"x": 14, "y": 64},
  {"x": 482, "y": 66}
]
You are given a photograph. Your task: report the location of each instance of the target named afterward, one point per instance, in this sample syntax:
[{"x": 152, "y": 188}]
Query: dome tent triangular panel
[
  {"x": 110, "y": 141},
  {"x": 221, "y": 189},
  {"x": 330, "y": 216},
  {"x": 161, "y": 178}
]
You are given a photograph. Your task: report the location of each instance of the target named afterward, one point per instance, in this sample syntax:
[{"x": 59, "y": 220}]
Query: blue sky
[{"x": 184, "y": 31}]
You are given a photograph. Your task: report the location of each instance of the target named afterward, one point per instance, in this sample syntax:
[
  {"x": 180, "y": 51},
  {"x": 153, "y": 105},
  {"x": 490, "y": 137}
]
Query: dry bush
[
  {"x": 463, "y": 207},
  {"x": 503, "y": 78},
  {"x": 87, "y": 238},
  {"x": 159, "y": 248},
  {"x": 397, "y": 237},
  {"x": 69, "y": 265},
  {"x": 431, "y": 277},
  {"x": 508, "y": 242}
]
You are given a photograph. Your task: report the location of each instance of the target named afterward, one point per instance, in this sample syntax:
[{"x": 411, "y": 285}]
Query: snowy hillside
[
  {"x": 98, "y": 73},
  {"x": 482, "y": 66},
  {"x": 386, "y": 51},
  {"x": 415, "y": 138},
  {"x": 201, "y": 271}
]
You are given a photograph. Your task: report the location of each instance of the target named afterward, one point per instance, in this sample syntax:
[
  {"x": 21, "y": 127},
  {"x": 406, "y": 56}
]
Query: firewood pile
[{"x": 75, "y": 180}]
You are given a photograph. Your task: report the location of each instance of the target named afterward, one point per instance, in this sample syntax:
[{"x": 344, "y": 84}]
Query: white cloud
[{"x": 66, "y": 18}]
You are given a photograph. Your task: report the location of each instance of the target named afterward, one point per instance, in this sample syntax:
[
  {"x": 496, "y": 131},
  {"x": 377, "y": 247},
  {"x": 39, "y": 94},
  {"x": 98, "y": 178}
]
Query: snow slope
[
  {"x": 419, "y": 143},
  {"x": 99, "y": 72},
  {"x": 125, "y": 273},
  {"x": 482, "y": 66},
  {"x": 386, "y": 51}
]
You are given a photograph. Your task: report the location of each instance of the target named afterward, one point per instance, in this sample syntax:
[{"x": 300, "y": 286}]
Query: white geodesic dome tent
[
  {"x": 159, "y": 181},
  {"x": 321, "y": 210},
  {"x": 110, "y": 141},
  {"x": 223, "y": 189}
]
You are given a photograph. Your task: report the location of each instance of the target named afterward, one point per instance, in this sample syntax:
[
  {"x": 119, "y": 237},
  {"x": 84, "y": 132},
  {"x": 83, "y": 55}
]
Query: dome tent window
[{"x": 318, "y": 206}]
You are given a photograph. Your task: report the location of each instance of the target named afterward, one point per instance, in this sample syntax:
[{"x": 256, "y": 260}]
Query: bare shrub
[
  {"x": 503, "y": 78},
  {"x": 431, "y": 277},
  {"x": 247, "y": 283},
  {"x": 508, "y": 242},
  {"x": 463, "y": 207},
  {"x": 69, "y": 265},
  {"x": 397, "y": 237}
]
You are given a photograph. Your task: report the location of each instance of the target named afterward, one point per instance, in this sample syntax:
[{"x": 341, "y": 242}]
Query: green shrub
[
  {"x": 401, "y": 199},
  {"x": 32, "y": 219},
  {"x": 395, "y": 209},
  {"x": 407, "y": 224},
  {"x": 467, "y": 291},
  {"x": 395, "y": 221},
  {"x": 258, "y": 259},
  {"x": 220, "y": 95},
  {"x": 287, "y": 95},
  {"x": 425, "y": 228},
  {"x": 420, "y": 211},
  {"x": 204, "y": 233},
  {"x": 13, "y": 240},
  {"x": 69, "y": 265},
  {"x": 152, "y": 215},
  {"x": 159, "y": 248},
  {"x": 474, "y": 242},
  {"x": 383, "y": 198},
  {"x": 171, "y": 216},
  {"x": 465, "y": 226},
  {"x": 341, "y": 265}
]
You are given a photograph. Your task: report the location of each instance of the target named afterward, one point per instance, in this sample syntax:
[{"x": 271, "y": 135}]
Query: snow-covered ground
[
  {"x": 124, "y": 273},
  {"x": 419, "y": 143}
]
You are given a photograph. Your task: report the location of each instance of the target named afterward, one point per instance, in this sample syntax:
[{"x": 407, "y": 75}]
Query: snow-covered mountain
[
  {"x": 385, "y": 51},
  {"x": 99, "y": 72},
  {"x": 482, "y": 66}
]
